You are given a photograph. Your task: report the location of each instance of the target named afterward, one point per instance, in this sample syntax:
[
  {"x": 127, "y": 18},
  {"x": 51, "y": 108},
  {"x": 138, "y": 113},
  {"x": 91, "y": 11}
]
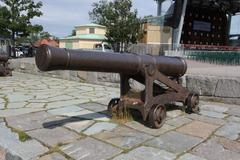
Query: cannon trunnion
[
  {"x": 158, "y": 74},
  {"x": 4, "y": 68}
]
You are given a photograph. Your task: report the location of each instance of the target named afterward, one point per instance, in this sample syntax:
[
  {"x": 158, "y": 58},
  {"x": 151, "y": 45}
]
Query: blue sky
[{"x": 60, "y": 16}]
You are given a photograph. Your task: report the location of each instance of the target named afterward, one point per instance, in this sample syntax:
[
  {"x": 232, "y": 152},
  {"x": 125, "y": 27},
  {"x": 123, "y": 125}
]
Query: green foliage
[
  {"x": 4, "y": 22},
  {"x": 18, "y": 14},
  {"x": 123, "y": 25}
]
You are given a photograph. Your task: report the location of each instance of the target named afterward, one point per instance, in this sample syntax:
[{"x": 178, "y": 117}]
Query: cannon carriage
[
  {"x": 159, "y": 75},
  {"x": 5, "y": 70}
]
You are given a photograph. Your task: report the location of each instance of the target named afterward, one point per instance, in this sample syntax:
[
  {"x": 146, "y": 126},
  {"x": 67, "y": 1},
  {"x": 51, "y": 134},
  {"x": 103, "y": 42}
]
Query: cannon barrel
[
  {"x": 51, "y": 58},
  {"x": 3, "y": 58}
]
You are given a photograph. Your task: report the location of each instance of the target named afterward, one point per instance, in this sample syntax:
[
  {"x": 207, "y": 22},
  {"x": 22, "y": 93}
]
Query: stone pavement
[{"x": 53, "y": 119}]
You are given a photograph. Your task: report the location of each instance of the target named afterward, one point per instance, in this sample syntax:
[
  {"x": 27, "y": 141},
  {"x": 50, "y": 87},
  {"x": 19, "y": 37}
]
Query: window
[{"x": 91, "y": 30}]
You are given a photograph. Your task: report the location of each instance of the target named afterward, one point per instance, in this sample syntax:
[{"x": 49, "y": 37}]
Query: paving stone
[
  {"x": 229, "y": 144},
  {"x": 233, "y": 119},
  {"x": 61, "y": 98},
  {"x": 234, "y": 111},
  {"x": 60, "y": 104},
  {"x": 146, "y": 153},
  {"x": 174, "y": 142},
  {"x": 174, "y": 113},
  {"x": 123, "y": 137},
  {"x": 53, "y": 156},
  {"x": 20, "y": 111},
  {"x": 189, "y": 156},
  {"x": 79, "y": 125},
  {"x": 16, "y": 105},
  {"x": 155, "y": 132},
  {"x": 212, "y": 114},
  {"x": 25, "y": 150},
  {"x": 86, "y": 114},
  {"x": 198, "y": 129},
  {"x": 230, "y": 130},
  {"x": 214, "y": 108},
  {"x": 179, "y": 121},
  {"x": 36, "y": 105},
  {"x": 18, "y": 97},
  {"x": 90, "y": 149},
  {"x": 65, "y": 111},
  {"x": 94, "y": 107},
  {"x": 215, "y": 121},
  {"x": 212, "y": 150},
  {"x": 53, "y": 137},
  {"x": 2, "y": 100},
  {"x": 99, "y": 127},
  {"x": 2, "y": 106},
  {"x": 33, "y": 121}
]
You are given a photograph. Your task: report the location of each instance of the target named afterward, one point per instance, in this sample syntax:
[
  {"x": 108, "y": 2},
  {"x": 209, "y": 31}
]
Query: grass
[{"x": 22, "y": 136}]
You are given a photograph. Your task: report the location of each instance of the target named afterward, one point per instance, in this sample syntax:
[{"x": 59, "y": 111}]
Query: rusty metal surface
[
  {"x": 5, "y": 70},
  {"x": 159, "y": 74},
  {"x": 51, "y": 58}
]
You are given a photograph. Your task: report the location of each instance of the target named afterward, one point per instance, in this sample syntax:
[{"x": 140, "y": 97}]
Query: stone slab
[
  {"x": 230, "y": 130},
  {"x": 53, "y": 156},
  {"x": 215, "y": 121},
  {"x": 212, "y": 114},
  {"x": 90, "y": 149},
  {"x": 16, "y": 105},
  {"x": 233, "y": 119},
  {"x": 79, "y": 125},
  {"x": 25, "y": 150},
  {"x": 229, "y": 144},
  {"x": 65, "y": 111},
  {"x": 174, "y": 113},
  {"x": 198, "y": 129},
  {"x": 90, "y": 115},
  {"x": 53, "y": 137},
  {"x": 123, "y": 137},
  {"x": 212, "y": 150},
  {"x": 146, "y": 153},
  {"x": 99, "y": 127},
  {"x": 33, "y": 121},
  {"x": 94, "y": 107},
  {"x": 20, "y": 111},
  {"x": 2, "y": 106},
  {"x": 36, "y": 105},
  {"x": 189, "y": 156},
  {"x": 234, "y": 111},
  {"x": 174, "y": 142},
  {"x": 179, "y": 121},
  {"x": 204, "y": 85},
  {"x": 18, "y": 97},
  {"x": 155, "y": 132},
  {"x": 214, "y": 108},
  {"x": 228, "y": 87}
]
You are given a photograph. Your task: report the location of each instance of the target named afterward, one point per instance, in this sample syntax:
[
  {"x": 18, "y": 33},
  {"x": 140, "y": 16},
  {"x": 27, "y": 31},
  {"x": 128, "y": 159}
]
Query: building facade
[{"x": 86, "y": 37}]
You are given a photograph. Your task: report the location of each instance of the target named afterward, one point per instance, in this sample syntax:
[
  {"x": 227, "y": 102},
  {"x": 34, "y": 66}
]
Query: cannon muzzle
[{"x": 51, "y": 58}]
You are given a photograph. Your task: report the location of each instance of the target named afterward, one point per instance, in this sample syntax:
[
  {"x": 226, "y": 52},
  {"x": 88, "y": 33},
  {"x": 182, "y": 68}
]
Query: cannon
[
  {"x": 158, "y": 74},
  {"x": 4, "y": 66}
]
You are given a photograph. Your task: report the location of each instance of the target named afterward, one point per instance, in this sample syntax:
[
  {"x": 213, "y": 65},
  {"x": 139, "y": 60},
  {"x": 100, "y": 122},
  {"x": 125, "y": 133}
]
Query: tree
[
  {"x": 19, "y": 13},
  {"x": 4, "y": 22},
  {"x": 123, "y": 25}
]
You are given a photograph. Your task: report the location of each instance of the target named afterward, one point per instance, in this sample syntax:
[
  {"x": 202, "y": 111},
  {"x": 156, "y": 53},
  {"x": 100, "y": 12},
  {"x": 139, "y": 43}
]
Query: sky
[{"x": 60, "y": 16}]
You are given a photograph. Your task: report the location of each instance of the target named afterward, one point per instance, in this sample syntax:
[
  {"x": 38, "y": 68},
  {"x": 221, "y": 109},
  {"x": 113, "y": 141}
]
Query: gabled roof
[{"x": 85, "y": 37}]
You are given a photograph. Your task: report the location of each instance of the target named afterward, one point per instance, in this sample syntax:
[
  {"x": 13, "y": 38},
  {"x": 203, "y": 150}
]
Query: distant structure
[
  {"x": 86, "y": 37},
  {"x": 49, "y": 42},
  {"x": 203, "y": 23}
]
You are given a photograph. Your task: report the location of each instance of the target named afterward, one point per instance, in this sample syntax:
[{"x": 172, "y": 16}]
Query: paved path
[{"x": 67, "y": 120}]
